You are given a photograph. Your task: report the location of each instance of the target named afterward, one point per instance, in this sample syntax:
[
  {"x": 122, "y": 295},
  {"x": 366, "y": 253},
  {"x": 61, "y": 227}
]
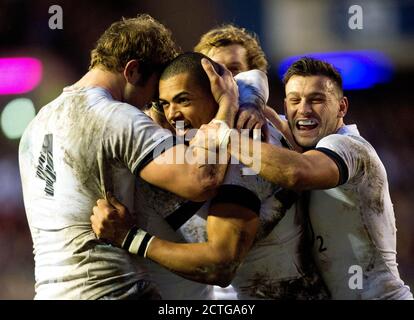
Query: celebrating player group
[{"x": 165, "y": 175}]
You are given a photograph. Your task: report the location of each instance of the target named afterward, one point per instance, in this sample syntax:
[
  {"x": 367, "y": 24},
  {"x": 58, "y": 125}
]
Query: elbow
[
  {"x": 224, "y": 280},
  {"x": 224, "y": 270},
  {"x": 223, "y": 274},
  {"x": 205, "y": 188}
]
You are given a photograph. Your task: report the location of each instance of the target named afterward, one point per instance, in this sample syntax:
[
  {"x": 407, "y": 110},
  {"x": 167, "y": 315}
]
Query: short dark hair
[
  {"x": 190, "y": 62},
  {"x": 307, "y": 66}
]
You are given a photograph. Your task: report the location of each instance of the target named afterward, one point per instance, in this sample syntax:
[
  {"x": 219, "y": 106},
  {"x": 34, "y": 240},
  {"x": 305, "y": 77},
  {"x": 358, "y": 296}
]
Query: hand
[
  {"x": 224, "y": 90},
  {"x": 212, "y": 136},
  {"x": 252, "y": 117},
  {"x": 111, "y": 220},
  {"x": 283, "y": 127}
]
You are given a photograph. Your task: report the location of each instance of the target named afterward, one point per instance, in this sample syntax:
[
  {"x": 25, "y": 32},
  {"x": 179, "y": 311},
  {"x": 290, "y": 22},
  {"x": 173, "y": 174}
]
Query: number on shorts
[{"x": 45, "y": 169}]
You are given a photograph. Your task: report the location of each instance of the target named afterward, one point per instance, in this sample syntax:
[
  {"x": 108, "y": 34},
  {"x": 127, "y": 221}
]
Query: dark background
[{"x": 383, "y": 113}]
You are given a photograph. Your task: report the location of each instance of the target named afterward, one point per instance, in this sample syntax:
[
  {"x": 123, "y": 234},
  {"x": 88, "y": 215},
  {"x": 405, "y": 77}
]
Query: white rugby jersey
[
  {"x": 160, "y": 213},
  {"x": 79, "y": 146},
  {"x": 353, "y": 225},
  {"x": 277, "y": 266}
]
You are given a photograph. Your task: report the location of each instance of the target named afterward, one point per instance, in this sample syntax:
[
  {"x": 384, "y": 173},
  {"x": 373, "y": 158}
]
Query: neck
[
  {"x": 111, "y": 81},
  {"x": 339, "y": 126}
]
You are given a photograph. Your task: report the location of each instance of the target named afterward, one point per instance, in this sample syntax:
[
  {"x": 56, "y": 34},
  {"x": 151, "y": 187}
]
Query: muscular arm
[
  {"x": 173, "y": 172},
  {"x": 289, "y": 169},
  {"x": 231, "y": 230}
]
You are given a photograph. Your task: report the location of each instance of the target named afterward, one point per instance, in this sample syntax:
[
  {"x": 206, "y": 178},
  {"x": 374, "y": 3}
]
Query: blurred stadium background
[{"x": 378, "y": 61}]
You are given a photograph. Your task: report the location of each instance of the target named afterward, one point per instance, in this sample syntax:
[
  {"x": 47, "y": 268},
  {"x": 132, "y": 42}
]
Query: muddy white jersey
[
  {"x": 277, "y": 266},
  {"x": 79, "y": 146},
  {"x": 160, "y": 213},
  {"x": 353, "y": 225}
]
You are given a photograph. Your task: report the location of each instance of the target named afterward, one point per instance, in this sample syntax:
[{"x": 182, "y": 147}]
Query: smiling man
[
  {"x": 246, "y": 209},
  {"x": 233, "y": 214},
  {"x": 94, "y": 138},
  {"x": 351, "y": 214}
]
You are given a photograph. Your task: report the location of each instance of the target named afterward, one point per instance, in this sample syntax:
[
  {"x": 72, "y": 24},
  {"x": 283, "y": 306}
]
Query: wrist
[
  {"x": 223, "y": 134},
  {"x": 137, "y": 241}
]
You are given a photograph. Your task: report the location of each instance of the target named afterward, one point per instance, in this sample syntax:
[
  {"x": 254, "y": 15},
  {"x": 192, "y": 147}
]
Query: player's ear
[
  {"x": 131, "y": 72},
  {"x": 285, "y": 107},
  {"x": 343, "y": 107}
]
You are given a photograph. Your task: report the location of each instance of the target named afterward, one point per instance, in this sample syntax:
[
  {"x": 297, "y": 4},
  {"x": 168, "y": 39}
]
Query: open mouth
[{"x": 306, "y": 124}]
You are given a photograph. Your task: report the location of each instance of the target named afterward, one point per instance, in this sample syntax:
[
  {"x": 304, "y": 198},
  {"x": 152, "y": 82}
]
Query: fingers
[
  {"x": 209, "y": 69},
  {"x": 265, "y": 132},
  {"x": 274, "y": 118},
  {"x": 97, "y": 226},
  {"x": 94, "y": 222},
  {"x": 242, "y": 118},
  {"x": 253, "y": 121}
]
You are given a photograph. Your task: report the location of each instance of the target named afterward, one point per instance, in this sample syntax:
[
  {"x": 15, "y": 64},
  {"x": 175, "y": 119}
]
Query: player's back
[{"x": 68, "y": 158}]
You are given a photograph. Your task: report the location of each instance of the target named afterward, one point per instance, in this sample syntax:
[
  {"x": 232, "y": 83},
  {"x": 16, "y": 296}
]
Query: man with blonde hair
[{"x": 236, "y": 48}]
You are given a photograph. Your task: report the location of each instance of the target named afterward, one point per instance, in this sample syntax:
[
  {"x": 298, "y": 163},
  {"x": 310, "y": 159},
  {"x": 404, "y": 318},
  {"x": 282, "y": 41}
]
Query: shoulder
[
  {"x": 355, "y": 153},
  {"x": 352, "y": 145}
]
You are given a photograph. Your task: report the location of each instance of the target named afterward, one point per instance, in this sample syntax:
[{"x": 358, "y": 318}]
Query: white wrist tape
[
  {"x": 253, "y": 87},
  {"x": 137, "y": 242},
  {"x": 223, "y": 134}
]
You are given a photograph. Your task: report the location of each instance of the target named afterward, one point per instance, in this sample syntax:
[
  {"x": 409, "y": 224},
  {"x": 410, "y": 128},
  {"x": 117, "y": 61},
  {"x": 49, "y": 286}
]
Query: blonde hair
[
  {"x": 229, "y": 34},
  {"x": 142, "y": 38}
]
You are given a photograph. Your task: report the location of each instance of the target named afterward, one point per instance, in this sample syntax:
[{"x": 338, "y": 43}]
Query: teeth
[{"x": 308, "y": 122}]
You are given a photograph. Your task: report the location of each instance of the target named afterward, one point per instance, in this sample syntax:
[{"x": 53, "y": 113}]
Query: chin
[{"x": 306, "y": 143}]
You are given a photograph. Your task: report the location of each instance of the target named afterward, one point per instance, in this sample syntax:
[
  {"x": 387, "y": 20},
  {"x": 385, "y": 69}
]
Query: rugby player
[
  {"x": 350, "y": 210},
  {"x": 93, "y": 139},
  {"x": 225, "y": 239}
]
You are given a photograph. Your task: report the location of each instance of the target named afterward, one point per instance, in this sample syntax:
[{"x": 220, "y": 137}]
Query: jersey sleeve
[
  {"x": 131, "y": 137},
  {"x": 245, "y": 190},
  {"x": 348, "y": 153}
]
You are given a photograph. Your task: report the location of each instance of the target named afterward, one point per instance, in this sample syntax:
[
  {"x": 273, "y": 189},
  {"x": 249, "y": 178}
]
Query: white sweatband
[
  {"x": 137, "y": 241},
  {"x": 253, "y": 87}
]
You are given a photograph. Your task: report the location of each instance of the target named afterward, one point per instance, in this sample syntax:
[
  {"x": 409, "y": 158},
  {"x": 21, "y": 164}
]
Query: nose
[
  {"x": 174, "y": 114},
  {"x": 305, "y": 108}
]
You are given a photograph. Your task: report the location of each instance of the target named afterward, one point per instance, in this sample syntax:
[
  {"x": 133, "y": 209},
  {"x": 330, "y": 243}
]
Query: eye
[
  {"x": 163, "y": 104},
  {"x": 317, "y": 100},
  {"x": 294, "y": 101},
  {"x": 183, "y": 100}
]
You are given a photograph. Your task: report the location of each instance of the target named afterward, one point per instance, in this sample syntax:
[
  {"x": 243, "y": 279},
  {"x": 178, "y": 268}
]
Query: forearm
[
  {"x": 278, "y": 165},
  {"x": 194, "y": 261},
  {"x": 288, "y": 169},
  {"x": 186, "y": 172},
  {"x": 208, "y": 170},
  {"x": 227, "y": 112}
]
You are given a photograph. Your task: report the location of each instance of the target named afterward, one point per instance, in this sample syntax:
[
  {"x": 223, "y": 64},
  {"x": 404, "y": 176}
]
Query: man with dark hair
[
  {"x": 224, "y": 229},
  {"x": 350, "y": 211},
  {"x": 238, "y": 50},
  {"x": 93, "y": 139}
]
